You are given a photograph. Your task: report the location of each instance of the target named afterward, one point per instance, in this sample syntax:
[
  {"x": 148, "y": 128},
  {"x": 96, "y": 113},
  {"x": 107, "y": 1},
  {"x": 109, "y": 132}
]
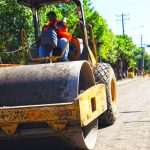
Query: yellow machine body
[{"x": 86, "y": 107}]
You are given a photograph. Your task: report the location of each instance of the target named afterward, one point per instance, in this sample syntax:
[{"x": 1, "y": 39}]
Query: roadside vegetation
[{"x": 118, "y": 50}]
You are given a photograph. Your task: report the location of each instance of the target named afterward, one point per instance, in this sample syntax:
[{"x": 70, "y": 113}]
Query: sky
[{"x": 136, "y": 15}]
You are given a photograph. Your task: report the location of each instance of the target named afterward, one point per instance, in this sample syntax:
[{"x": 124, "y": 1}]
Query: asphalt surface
[
  {"x": 128, "y": 80},
  {"x": 131, "y": 131}
]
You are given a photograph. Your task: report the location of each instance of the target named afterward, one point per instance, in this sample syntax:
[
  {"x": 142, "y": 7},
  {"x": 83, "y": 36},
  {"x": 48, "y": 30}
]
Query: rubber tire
[{"x": 104, "y": 74}]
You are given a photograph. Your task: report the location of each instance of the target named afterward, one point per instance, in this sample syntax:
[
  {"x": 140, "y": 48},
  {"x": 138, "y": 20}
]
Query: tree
[
  {"x": 104, "y": 37},
  {"x": 13, "y": 17},
  {"x": 146, "y": 62},
  {"x": 125, "y": 50}
]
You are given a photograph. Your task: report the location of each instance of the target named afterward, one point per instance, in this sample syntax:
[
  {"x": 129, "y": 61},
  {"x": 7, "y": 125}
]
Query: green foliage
[
  {"x": 13, "y": 17},
  {"x": 147, "y": 62},
  {"x": 104, "y": 37},
  {"x": 62, "y": 11},
  {"x": 126, "y": 50},
  {"x": 137, "y": 58},
  {"x": 110, "y": 48}
]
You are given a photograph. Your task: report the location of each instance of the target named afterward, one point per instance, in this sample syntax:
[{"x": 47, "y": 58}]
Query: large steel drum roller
[
  {"x": 44, "y": 84},
  {"x": 49, "y": 84}
]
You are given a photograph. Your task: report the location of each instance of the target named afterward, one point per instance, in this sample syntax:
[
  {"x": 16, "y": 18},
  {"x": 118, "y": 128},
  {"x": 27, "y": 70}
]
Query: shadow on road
[
  {"x": 35, "y": 144},
  {"x": 102, "y": 126},
  {"x": 146, "y": 121},
  {"x": 125, "y": 112}
]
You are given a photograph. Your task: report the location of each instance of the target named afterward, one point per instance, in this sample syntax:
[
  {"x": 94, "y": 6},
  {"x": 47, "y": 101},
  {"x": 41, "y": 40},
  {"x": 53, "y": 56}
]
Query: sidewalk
[{"x": 127, "y": 80}]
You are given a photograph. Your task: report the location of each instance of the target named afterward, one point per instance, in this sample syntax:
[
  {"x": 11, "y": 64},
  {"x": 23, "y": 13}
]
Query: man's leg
[
  {"x": 61, "y": 44},
  {"x": 41, "y": 52},
  {"x": 45, "y": 51}
]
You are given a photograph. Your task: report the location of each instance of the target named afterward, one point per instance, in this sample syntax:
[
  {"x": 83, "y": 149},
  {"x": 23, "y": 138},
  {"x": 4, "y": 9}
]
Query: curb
[{"x": 126, "y": 81}]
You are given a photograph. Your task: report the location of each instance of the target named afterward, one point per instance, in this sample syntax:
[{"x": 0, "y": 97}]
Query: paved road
[{"x": 132, "y": 129}]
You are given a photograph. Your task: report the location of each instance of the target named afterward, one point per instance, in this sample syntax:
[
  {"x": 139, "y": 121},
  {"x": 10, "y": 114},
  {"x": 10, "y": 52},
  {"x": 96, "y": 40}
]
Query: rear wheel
[{"x": 105, "y": 74}]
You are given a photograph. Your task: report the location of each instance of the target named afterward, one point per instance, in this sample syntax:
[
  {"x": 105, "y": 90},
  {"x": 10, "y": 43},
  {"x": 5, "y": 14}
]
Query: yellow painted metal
[
  {"x": 131, "y": 75},
  {"x": 9, "y": 65},
  {"x": 91, "y": 55},
  {"x": 58, "y": 125},
  {"x": 9, "y": 128},
  {"x": 54, "y": 115},
  {"x": 92, "y": 103},
  {"x": 94, "y": 45},
  {"x": 88, "y": 106},
  {"x": 38, "y": 113}
]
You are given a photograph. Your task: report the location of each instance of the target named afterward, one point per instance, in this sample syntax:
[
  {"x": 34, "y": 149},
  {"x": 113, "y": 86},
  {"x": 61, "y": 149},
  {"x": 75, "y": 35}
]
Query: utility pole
[{"x": 123, "y": 20}]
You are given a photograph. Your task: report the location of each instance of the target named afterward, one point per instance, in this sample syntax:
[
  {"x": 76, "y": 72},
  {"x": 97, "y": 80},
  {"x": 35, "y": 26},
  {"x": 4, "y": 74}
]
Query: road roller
[{"x": 47, "y": 98}]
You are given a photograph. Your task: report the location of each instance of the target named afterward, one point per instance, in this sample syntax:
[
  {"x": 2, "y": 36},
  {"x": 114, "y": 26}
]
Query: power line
[{"x": 123, "y": 20}]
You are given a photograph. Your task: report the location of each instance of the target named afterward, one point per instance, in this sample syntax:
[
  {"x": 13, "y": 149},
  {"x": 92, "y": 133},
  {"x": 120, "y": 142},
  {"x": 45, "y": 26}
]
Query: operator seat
[{"x": 79, "y": 45}]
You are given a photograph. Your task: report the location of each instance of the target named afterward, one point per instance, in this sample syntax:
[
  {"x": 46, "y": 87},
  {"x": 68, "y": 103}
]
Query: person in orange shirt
[{"x": 59, "y": 37}]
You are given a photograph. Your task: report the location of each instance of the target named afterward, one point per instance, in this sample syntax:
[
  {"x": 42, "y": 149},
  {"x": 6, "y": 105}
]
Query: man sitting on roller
[{"x": 54, "y": 38}]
